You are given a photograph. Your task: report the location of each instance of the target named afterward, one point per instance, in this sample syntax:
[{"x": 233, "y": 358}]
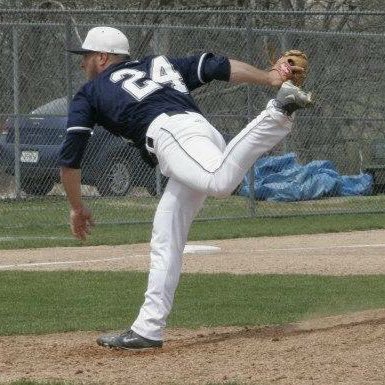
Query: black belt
[{"x": 150, "y": 142}]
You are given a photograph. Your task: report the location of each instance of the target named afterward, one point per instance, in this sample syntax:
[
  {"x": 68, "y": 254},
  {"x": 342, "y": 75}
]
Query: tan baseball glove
[{"x": 289, "y": 66}]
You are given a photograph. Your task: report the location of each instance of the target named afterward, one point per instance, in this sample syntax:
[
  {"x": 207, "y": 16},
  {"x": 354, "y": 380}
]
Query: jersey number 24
[{"x": 162, "y": 72}]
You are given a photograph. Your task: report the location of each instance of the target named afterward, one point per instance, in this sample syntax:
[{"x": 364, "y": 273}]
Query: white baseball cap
[{"x": 104, "y": 39}]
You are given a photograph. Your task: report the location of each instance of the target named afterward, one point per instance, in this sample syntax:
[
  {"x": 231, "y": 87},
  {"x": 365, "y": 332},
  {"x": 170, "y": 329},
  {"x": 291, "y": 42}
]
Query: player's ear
[{"x": 103, "y": 58}]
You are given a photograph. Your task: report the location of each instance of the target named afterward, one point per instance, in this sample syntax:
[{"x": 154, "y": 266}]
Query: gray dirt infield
[{"x": 359, "y": 252}]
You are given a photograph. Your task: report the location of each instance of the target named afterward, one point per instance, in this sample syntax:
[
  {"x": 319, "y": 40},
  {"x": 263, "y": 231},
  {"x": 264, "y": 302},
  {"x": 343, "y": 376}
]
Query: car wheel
[
  {"x": 33, "y": 187},
  {"x": 116, "y": 180}
]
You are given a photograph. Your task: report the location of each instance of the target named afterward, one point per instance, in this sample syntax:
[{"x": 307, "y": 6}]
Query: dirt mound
[{"x": 346, "y": 349}]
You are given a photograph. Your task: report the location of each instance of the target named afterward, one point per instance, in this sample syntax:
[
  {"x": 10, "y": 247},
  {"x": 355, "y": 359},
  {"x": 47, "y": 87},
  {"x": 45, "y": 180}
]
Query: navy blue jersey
[{"x": 128, "y": 96}]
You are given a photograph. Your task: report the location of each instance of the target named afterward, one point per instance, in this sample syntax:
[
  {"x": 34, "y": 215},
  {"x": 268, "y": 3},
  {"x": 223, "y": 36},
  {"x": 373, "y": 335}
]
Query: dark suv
[{"x": 111, "y": 164}]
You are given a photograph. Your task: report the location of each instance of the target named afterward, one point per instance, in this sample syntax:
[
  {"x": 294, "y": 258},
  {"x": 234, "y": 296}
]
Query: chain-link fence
[{"x": 39, "y": 78}]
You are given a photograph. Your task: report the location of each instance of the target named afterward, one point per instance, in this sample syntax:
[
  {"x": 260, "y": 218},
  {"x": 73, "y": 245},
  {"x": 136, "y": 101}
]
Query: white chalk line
[
  {"x": 379, "y": 245},
  {"x": 190, "y": 249},
  {"x": 20, "y": 238},
  {"x": 63, "y": 262}
]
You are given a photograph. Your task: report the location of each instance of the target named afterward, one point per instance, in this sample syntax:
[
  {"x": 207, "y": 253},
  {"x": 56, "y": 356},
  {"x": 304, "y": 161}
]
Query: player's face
[{"x": 89, "y": 64}]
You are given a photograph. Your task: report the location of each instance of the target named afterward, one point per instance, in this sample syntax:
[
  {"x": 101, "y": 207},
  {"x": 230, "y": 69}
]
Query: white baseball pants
[{"x": 194, "y": 155}]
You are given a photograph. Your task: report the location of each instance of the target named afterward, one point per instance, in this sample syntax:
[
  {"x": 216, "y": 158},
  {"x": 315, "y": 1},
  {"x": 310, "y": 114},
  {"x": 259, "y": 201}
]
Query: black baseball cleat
[
  {"x": 128, "y": 340},
  {"x": 291, "y": 98}
]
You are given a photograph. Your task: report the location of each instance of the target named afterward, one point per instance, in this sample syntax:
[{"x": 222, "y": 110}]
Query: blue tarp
[{"x": 282, "y": 178}]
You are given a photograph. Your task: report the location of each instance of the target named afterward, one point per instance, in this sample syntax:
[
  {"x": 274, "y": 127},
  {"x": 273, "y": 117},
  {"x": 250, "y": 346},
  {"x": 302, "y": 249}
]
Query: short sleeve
[
  {"x": 200, "y": 69},
  {"x": 79, "y": 126},
  {"x": 81, "y": 114},
  {"x": 73, "y": 149}
]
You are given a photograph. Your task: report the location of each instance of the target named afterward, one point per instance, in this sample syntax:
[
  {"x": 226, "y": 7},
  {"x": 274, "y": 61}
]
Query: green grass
[
  {"x": 53, "y": 210},
  {"x": 45, "y": 302},
  {"x": 35, "y": 236},
  {"x": 43, "y": 222}
]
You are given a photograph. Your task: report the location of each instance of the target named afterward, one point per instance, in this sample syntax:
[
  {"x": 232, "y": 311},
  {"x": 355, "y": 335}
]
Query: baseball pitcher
[{"x": 149, "y": 102}]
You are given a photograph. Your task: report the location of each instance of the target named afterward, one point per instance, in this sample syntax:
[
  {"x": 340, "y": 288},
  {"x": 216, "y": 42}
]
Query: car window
[{"x": 55, "y": 107}]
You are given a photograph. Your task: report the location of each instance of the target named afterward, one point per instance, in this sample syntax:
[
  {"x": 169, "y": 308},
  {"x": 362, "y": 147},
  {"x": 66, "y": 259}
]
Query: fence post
[
  {"x": 16, "y": 107},
  {"x": 68, "y": 64},
  {"x": 250, "y": 113}
]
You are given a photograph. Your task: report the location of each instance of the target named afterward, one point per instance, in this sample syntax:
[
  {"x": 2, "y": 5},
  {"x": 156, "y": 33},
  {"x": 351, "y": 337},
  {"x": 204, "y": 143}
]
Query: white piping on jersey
[
  {"x": 200, "y": 67},
  {"x": 78, "y": 129}
]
